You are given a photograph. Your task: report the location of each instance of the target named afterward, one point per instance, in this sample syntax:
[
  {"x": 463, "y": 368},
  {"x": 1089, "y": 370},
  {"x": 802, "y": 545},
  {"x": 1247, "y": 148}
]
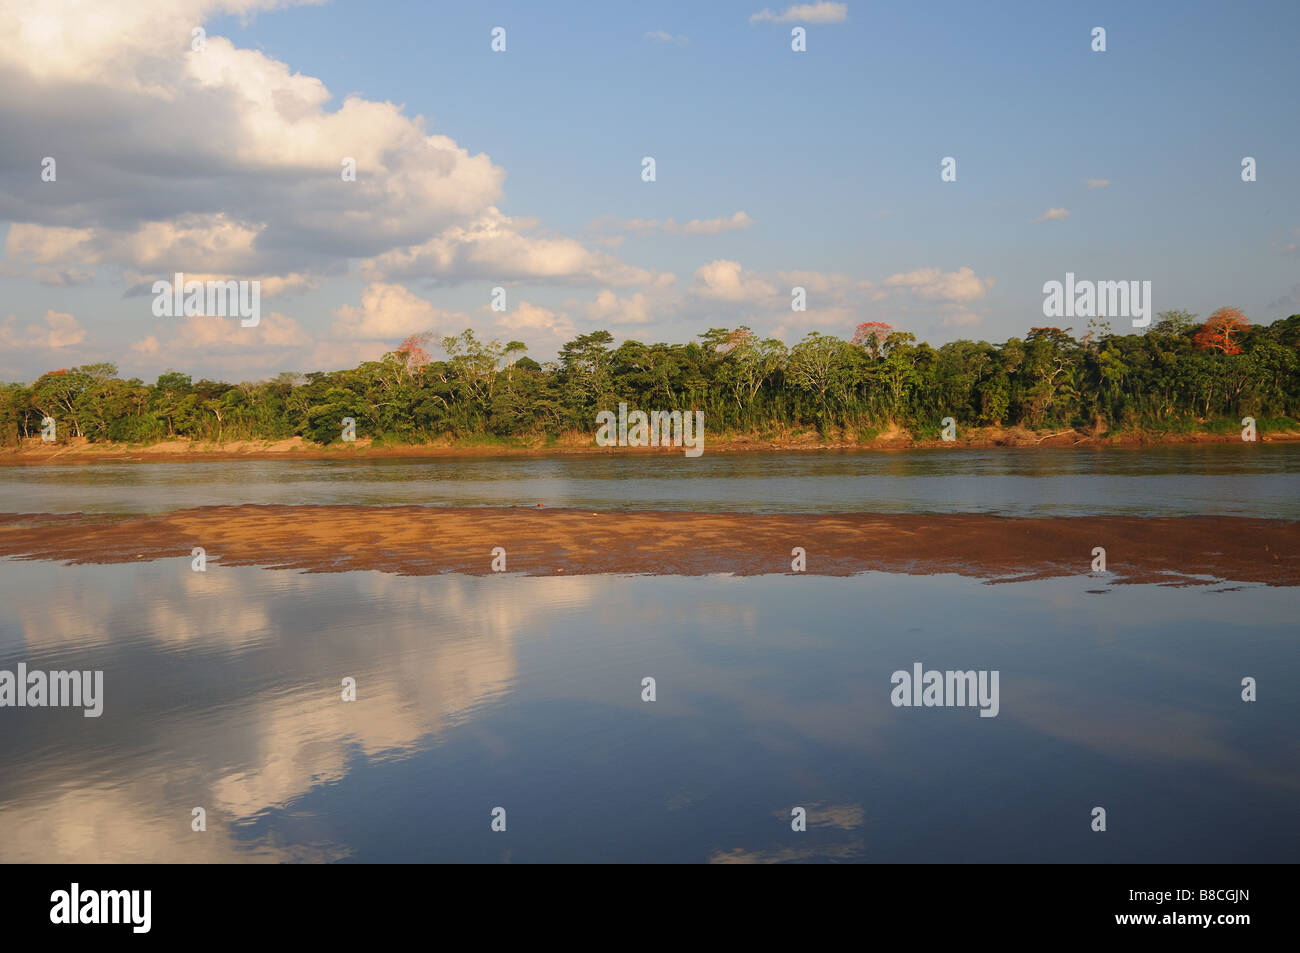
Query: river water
[
  {"x": 223, "y": 689},
  {"x": 1216, "y": 479}
]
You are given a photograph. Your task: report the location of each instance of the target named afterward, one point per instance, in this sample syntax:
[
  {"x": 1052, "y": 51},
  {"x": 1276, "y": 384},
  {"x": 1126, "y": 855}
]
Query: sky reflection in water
[{"x": 222, "y": 691}]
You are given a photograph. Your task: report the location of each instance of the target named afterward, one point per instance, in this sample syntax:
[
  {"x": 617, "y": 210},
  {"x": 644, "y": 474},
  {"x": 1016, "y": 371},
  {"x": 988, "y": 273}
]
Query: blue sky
[{"x": 832, "y": 155}]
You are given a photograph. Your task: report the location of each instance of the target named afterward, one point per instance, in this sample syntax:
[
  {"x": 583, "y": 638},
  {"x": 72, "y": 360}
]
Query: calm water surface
[
  {"x": 222, "y": 691},
  {"x": 223, "y": 688},
  {"x": 1222, "y": 479}
]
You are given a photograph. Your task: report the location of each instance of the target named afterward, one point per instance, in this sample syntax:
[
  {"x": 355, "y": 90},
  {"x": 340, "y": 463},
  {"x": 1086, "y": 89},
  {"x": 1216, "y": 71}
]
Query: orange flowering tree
[
  {"x": 1223, "y": 331},
  {"x": 412, "y": 351},
  {"x": 871, "y": 335}
]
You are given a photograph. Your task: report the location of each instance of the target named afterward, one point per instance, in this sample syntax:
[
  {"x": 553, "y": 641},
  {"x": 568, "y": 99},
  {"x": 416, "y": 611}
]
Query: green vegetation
[{"x": 1179, "y": 376}]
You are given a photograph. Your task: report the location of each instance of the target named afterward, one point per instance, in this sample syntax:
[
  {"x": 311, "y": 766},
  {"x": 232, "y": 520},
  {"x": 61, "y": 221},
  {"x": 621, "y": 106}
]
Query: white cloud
[
  {"x": 842, "y": 289},
  {"x": 224, "y": 163},
  {"x": 663, "y": 36},
  {"x": 495, "y": 248},
  {"x": 727, "y": 281},
  {"x": 960, "y": 318},
  {"x": 726, "y": 294},
  {"x": 657, "y": 301},
  {"x": 609, "y": 308},
  {"x": 1053, "y": 215},
  {"x": 273, "y": 285},
  {"x": 336, "y": 355},
  {"x": 212, "y": 334},
  {"x": 139, "y": 284},
  {"x": 931, "y": 284},
  {"x": 391, "y": 311},
  {"x": 38, "y": 244},
  {"x": 61, "y": 330},
  {"x": 821, "y": 12},
  {"x": 696, "y": 226},
  {"x": 216, "y": 245},
  {"x": 234, "y": 129},
  {"x": 543, "y": 330},
  {"x": 1097, "y": 183},
  {"x": 148, "y": 346}
]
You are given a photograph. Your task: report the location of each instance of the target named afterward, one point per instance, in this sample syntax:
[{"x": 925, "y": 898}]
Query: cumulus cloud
[
  {"x": 38, "y": 244},
  {"x": 393, "y": 311},
  {"x": 495, "y": 247},
  {"x": 543, "y": 330},
  {"x": 141, "y": 285},
  {"x": 390, "y": 312},
  {"x": 1053, "y": 215},
  {"x": 696, "y": 226},
  {"x": 830, "y": 286},
  {"x": 273, "y": 285},
  {"x": 959, "y": 318},
  {"x": 213, "y": 240},
  {"x": 60, "y": 330},
  {"x": 658, "y": 300},
  {"x": 221, "y": 160},
  {"x": 211, "y": 334},
  {"x": 822, "y": 12},
  {"x": 931, "y": 284},
  {"x": 224, "y": 161},
  {"x": 725, "y": 293},
  {"x": 222, "y": 347},
  {"x": 609, "y": 308},
  {"x": 337, "y": 355},
  {"x": 663, "y": 36},
  {"x": 727, "y": 281}
]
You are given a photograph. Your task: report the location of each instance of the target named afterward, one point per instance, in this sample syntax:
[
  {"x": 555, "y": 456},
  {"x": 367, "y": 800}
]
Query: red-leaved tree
[
  {"x": 412, "y": 351},
  {"x": 1223, "y": 331},
  {"x": 871, "y": 335},
  {"x": 740, "y": 337}
]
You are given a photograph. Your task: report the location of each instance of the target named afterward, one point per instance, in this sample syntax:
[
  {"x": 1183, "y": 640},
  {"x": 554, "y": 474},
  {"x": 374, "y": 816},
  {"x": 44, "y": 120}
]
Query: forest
[{"x": 1180, "y": 375}]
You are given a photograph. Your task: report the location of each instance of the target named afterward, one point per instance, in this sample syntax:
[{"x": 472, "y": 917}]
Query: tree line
[{"x": 1180, "y": 374}]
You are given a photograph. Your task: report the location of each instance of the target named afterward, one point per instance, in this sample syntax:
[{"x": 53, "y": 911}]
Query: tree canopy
[{"x": 1179, "y": 373}]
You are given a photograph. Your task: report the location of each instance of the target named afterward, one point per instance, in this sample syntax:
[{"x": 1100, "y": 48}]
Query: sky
[{"x": 222, "y": 157}]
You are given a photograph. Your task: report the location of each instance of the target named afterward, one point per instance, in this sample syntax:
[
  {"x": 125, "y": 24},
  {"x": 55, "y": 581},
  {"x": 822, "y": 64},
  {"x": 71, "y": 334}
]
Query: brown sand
[{"x": 417, "y": 540}]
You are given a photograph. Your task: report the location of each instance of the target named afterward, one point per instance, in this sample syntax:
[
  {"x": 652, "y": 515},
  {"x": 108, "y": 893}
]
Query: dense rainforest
[{"x": 1179, "y": 374}]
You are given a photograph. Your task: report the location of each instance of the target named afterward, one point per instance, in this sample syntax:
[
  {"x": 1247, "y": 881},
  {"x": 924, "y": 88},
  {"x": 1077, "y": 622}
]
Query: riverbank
[
  {"x": 419, "y": 540},
  {"x": 79, "y": 450}
]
